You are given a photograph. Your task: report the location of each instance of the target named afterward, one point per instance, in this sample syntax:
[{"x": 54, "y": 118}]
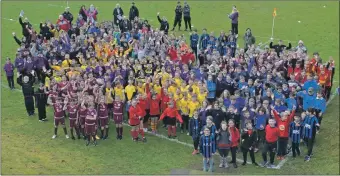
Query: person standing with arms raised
[
  {"x": 164, "y": 24},
  {"x": 234, "y": 21}
]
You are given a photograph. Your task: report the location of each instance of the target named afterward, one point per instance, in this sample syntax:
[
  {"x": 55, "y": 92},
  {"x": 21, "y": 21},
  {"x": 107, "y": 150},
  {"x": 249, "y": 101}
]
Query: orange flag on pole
[{"x": 274, "y": 12}]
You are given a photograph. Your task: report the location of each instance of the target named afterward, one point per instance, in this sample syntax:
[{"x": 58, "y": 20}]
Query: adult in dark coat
[
  {"x": 26, "y": 82},
  {"x": 68, "y": 15},
  {"x": 117, "y": 14},
  {"x": 164, "y": 24},
  {"x": 134, "y": 12}
]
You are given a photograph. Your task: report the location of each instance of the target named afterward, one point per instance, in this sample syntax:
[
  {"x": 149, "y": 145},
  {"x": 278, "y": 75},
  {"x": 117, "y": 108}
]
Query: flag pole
[
  {"x": 273, "y": 27},
  {"x": 274, "y": 15}
]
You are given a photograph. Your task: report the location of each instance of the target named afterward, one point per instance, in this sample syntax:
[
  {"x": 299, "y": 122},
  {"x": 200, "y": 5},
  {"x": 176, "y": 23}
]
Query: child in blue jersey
[
  {"x": 207, "y": 149},
  {"x": 309, "y": 130},
  {"x": 195, "y": 126},
  {"x": 291, "y": 101},
  {"x": 295, "y": 134},
  {"x": 320, "y": 108},
  {"x": 279, "y": 107},
  {"x": 260, "y": 123},
  {"x": 210, "y": 125}
]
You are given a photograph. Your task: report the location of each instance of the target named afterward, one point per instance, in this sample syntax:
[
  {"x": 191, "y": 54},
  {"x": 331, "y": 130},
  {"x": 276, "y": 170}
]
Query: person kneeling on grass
[
  {"x": 248, "y": 143},
  {"x": 272, "y": 135},
  {"x": 195, "y": 126},
  {"x": 172, "y": 114},
  {"x": 207, "y": 149},
  {"x": 223, "y": 140}
]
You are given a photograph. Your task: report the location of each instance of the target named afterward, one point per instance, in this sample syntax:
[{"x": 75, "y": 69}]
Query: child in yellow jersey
[
  {"x": 67, "y": 62},
  {"x": 172, "y": 88},
  {"x": 178, "y": 95},
  {"x": 119, "y": 90},
  {"x": 184, "y": 87},
  {"x": 130, "y": 90},
  {"x": 109, "y": 98},
  {"x": 163, "y": 75},
  {"x": 178, "y": 80},
  {"x": 183, "y": 107},
  {"x": 140, "y": 87},
  {"x": 202, "y": 96}
]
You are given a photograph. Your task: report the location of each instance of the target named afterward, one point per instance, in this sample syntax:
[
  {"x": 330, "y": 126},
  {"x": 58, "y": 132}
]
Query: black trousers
[
  {"x": 41, "y": 111},
  {"x": 260, "y": 137},
  {"x": 245, "y": 153},
  {"x": 177, "y": 20},
  {"x": 319, "y": 118},
  {"x": 196, "y": 142},
  {"x": 296, "y": 149},
  {"x": 223, "y": 152},
  {"x": 271, "y": 148},
  {"x": 234, "y": 28},
  {"x": 282, "y": 149},
  {"x": 10, "y": 82},
  {"x": 233, "y": 154},
  {"x": 29, "y": 103},
  {"x": 194, "y": 49},
  {"x": 187, "y": 21},
  {"x": 310, "y": 143},
  {"x": 185, "y": 122}
]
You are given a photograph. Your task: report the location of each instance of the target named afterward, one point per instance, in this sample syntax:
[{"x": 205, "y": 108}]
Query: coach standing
[
  {"x": 234, "y": 21},
  {"x": 134, "y": 12},
  {"x": 178, "y": 16},
  {"x": 117, "y": 14},
  {"x": 164, "y": 24},
  {"x": 26, "y": 82},
  {"x": 186, "y": 14}
]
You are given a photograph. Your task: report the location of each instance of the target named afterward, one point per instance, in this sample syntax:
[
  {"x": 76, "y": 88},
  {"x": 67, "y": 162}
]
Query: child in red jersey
[
  {"x": 134, "y": 119},
  {"x": 59, "y": 116},
  {"x": 154, "y": 100},
  {"x": 72, "y": 109},
  {"x": 172, "y": 115},
  {"x": 272, "y": 135},
  {"x": 103, "y": 115},
  {"x": 142, "y": 102},
  {"x": 118, "y": 106},
  {"x": 283, "y": 123}
]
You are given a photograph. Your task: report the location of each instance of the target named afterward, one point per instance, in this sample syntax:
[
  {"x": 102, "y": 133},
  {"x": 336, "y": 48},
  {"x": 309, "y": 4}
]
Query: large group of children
[{"x": 224, "y": 98}]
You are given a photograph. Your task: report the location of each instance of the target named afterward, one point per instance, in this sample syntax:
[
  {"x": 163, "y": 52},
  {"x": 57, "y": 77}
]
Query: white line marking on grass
[
  {"x": 9, "y": 19},
  {"x": 180, "y": 142},
  {"x": 53, "y": 5}
]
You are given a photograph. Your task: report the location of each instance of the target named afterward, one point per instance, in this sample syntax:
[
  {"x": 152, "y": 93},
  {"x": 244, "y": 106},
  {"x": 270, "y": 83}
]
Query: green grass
[{"x": 27, "y": 147}]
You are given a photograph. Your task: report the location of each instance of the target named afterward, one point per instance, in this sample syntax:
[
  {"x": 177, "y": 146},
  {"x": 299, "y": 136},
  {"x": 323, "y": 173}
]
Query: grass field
[{"x": 27, "y": 147}]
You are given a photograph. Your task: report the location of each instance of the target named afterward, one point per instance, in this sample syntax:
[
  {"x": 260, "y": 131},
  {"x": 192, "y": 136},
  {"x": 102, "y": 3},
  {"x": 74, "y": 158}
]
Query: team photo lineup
[{"x": 255, "y": 98}]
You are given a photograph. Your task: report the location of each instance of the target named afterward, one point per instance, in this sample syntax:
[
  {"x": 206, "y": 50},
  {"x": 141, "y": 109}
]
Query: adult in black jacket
[
  {"x": 232, "y": 114},
  {"x": 178, "y": 16},
  {"x": 24, "y": 41},
  {"x": 279, "y": 47},
  {"x": 125, "y": 25},
  {"x": 187, "y": 17},
  {"x": 117, "y": 14},
  {"x": 220, "y": 85},
  {"x": 45, "y": 31},
  {"x": 217, "y": 114},
  {"x": 82, "y": 12},
  {"x": 248, "y": 137},
  {"x": 26, "y": 82},
  {"x": 25, "y": 25},
  {"x": 68, "y": 15},
  {"x": 164, "y": 24},
  {"x": 41, "y": 99},
  {"x": 134, "y": 12}
]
